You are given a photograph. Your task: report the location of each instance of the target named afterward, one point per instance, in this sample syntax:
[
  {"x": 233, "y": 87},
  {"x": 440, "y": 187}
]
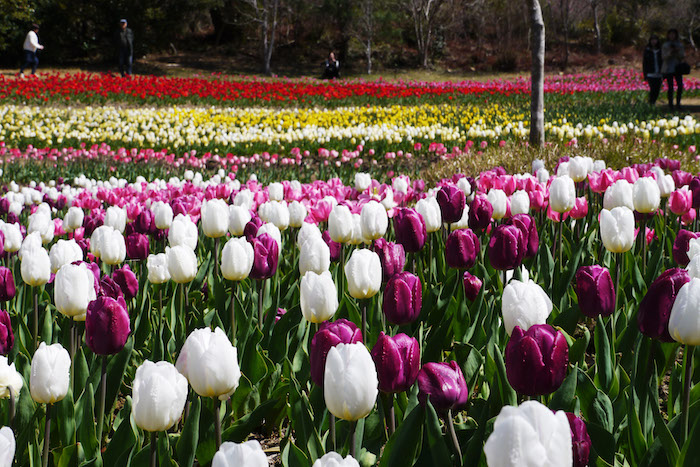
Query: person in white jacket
[{"x": 31, "y": 45}]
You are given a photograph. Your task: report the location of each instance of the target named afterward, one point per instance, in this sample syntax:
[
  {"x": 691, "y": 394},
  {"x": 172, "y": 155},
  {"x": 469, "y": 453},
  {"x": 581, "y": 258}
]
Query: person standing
[
  {"x": 31, "y": 45},
  {"x": 331, "y": 67},
  {"x": 672, "y": 54},
  {"x": 126, "y": 48},
  {"x": 651, "y": 66}
]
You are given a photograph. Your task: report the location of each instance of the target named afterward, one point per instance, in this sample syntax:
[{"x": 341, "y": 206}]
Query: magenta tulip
[
  {"x": 472, "y": 286},
  {"x": 443, "y": 384},
  {"x": 595, "y": 291},
  {"x": 580, "y": 441},
  {"x": 7, "y": 284},
  {"x": 397, "y": 360},
  {"x": 107, "y": 326},
  {"x": 334, "y": 247},
  {"x": 480, "y": 213},
  {"x": 137, "y": 246},
  {"x": 680, "y": 246},
  {"x": 266, "y": 258},
  {"x": 410, "y": 229},
  {"x": 7, "y": 337},
  {"x": 392, "y": 257},
  {"x": 127, "y": 281},
  {"x": 526, "y": 224},
  {"x": 655, "y": 308},
  {"x": 506, "y": 247},
  {"x": 403, "y": 297},
  {"x": 461, "y": 249},
  {"x": 451, "y": 201}
]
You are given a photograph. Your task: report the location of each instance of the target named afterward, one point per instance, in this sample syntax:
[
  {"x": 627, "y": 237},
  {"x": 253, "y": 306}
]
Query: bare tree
[
  {"x": 537, "y": 73},
  {"x": 264, "y": 14},
  {"x": 596, "y": 26},
  {"x": 365, "y": 29},
  {"x": 424, "y": 14}
]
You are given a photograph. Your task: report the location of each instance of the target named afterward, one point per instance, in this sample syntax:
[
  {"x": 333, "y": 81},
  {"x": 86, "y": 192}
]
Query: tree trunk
[
  {"x": 596, "y": 26},
  {"x": 537, "y": 74},
  {"x": 368, "y": 54},
  {"x": 565, "y": 20},
  {"x": 269, "y": 27}
]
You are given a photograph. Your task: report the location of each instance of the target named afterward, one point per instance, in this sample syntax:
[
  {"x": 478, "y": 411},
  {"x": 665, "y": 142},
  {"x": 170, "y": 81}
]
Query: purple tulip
[
  {"x": 137, "y": 246},
  {"x": 109, "y": 288},
  {"x": 251, "y": 228},
  {"x": 334, "y": 247},
  {"x": 461, "y": 249},
  {"x": 480, "y": 213},
  {"x": 7, "y": 337},
  {"x": 410, "y": 229},
  {"x": 403, "y": 297},
  {"x": 655, "y": 308},
  {"x": 506, "y": 247},
  {"x": 398, "y": 361},
  {"x": 472, "y": 286},
  {"x": 451, "y": 201},
  {"x": 266, "y": 258},
  {"x": 680, "y": 246},
  {"x": 145, "y": 222},
  {"x": 13, "y": 218},
  {"x": 580, "y": 441},
  {"x": 595, "y": 291},
  {"x": 536, "y": 359},
  {"x": 526, "y": 224},
  {"x": 7, "y": 284},
  {"x": 444, "y": 384},
  {"x": 329, "y": 335},
  {"x": 127, "y": 281},
  {"x": 392, "y": 257},
  {"x": 107, "y": 326},
  {"x": 93, "y": 221},
  {"x": 695, "y": 189}
]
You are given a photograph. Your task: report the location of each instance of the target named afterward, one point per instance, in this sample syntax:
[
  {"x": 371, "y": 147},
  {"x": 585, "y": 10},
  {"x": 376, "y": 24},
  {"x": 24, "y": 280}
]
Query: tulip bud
[
  {"x": 364, "y": 274},
  {"x": 461, "y": 249},
  {"x": 7, "y": 337},
  {"x": 595, "y": 291},
  {"x": 694, "y": 186},
  {"x": 391, "y": 257},
  {"x": 398, "y": 361},
  {"x": 210, "y": 363},
  {"x": 162, "y": 215},
  {"x": 451, "y": 201},
  {"x": 619, "y": 194},
  {"x": 73, "y": 219},
  {"x": 562, "y": 194},
  {"x": 137, "y": 246},
  {"x": 480, "y": 213},
  {"x": 127, "y": 281},
  {"x": 182, "y": 264},
  {"x": 580, "y": 441},
  {"x": 506, "y": 247},
  {"x": 107, "y": 326},
  {"x": 527, "y": 226},
  {"x": 7, "y": 284},
  {"x": 297, "y": 214},
  {"x": 578, "y": 168},
  {"x": 318, "y": 296},
  {"x": 145, "y": 222},
  {"x": 10, "y": 379},
  {"x": 402, "y": 298},
  {"x": 215, "y": 220},
  {"x": 237, "y": 259},
  {"x": 50, "y": 374},
  {"x": 266, "y": 256},
  {"x": 248, "y": 454},
  {"x": 13, "y": 237},
  {"x": 115, "y": 217},
  {"x": 340, "y": 224},
  {"x": 157, "y": 266},
  {"x": 617, "y": 229},
  {"x": 410, "y": 229},
  {"x": 472, "y": 286},
  {"x": 275, "y": 213},
  {"x": 314, "y": 256},
  {"x": 7, "y": 446},
  {"x": 74, "y": 289},
  {"x": 524, "y": 304},
  {"x": 683, "y": 325},
  {"x": 499, "y": 202},
  {"x": 333, "y": 459},
  {"x": 519, "y": 203},
  {"x": 239, "y": 216},
  {"x": 64, "y": 252},
  {"x": 374, "y": 220},
  {"x": 159, "y": 393},
  {"x": 183, "y": 232},
  {"x": 680, "y": 201},
  {"x": 36, "y": 267},
  {"x": 646, "y": 195},
  {"x": 443, "y": 384},
  {"x": 350, "y": 381},
  {"x": 529, "y": 435},
  {"x": 430, "y": 210},
  {"x": 536, "y": 359},
  {"x": 329, "y": 335},
  {"x": 362, "y": 181}
]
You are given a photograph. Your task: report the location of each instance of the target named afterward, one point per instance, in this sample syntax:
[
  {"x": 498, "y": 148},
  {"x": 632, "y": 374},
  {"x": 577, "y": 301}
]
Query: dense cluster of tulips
[
  {"x": 90, "y": 88},
  {"x": 502, "y": 319}
]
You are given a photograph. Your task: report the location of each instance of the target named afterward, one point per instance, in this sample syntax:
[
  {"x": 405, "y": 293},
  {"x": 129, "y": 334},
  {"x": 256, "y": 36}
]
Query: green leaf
[
  {"x": 187, "y": 444},
  {"x": 292, "y": 456},
  {"x": 663, "y": 433},
  {"x": 604, "y": 373},
  {"x": 124, "y": 439},
  {"x": 85, "y": 414},
  {"x": 403, "y": 446},
  {"x": 563, "y": 398},
  {"x": 434, "y": 441}
]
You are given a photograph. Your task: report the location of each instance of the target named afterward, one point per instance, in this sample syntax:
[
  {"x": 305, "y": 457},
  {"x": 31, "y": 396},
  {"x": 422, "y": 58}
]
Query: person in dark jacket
[
  {"x": 673, "y": 54},
  {"x": 331, "y": 67},
  {"x": 125, "y": 40},
  {"x": 651, "y": 67}
]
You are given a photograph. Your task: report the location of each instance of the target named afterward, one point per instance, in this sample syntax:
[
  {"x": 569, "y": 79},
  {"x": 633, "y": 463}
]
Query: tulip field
[{"x": 248, "y": 272}]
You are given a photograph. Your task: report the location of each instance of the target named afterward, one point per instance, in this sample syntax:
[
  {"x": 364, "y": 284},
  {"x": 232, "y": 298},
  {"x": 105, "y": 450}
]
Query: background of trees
[{"x": 284, "y": 35}]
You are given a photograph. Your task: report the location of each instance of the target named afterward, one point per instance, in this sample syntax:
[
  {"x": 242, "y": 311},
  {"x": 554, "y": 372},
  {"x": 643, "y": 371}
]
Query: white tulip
[
  {"x": 239, "y": 216},
  {"x": 157, "y": 266},
  {"x": 318, "y": 296},
  {"x": 237, "y": 259},
  {"x": 498, "y": 200},
  {"x": 183, "y": 232},
  {"x": 350, "y": 383},
  {"x": 314, "y": 255},
  {"x": 362, "y": 181},
  {"x": 36, "y": 267},
  {"x": 374, "y": 220},
  {"x": 74, "y": 289},
  {"x": 333, "y": 459},
  {"x": 215, "y": 220},
  {"x": 64, "y": 252},
  {"x": 248, "y": 454},
  {"x": 50, "y": 374},
  {"x": 7, "y": 446},
  {"x": 619, "y": 194},
  {"x": 617, "y": 229},
  {"x": 10, "y": 379},
  {"x": 340, "y": 224},
  {"x": 364, "y": 273},
  {"x": 162, "y": 215},
  {"x": 115, "y": 217},
  {"x": 159, "y": 393},
  {"x": 646, "y": 195},
  {"x": 430, "y": 210},
  {"x": 519, "y": 203},
  {"x": 684, "y": 323},
  {"x": 562, "y": 194},
  {"x": 182, "y": 264},
  {"x": 524, "y": 304},
  {"x": 297, "y": 214}
]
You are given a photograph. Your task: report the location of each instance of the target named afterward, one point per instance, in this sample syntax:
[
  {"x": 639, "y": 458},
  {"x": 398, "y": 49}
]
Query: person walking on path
[
  {"x": 651, "y": 66},
  {"x": 31, "y": 45},
  {"x": 672, "y": 54},
  {"x": 126, "y": 48}
]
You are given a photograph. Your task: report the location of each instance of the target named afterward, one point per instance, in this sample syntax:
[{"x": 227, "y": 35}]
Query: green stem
[
  {"x": 453, "y": 435},
  {"x": 217, "y": 424},
  {"x": 331, "y": 425},
  {"x": 261, "y": 294},
  {"x": 643, "y": 232},
  {"x": 154, "y": 449},
  {"x": 101, "y": 406},
  {"x": 36, "y": 319},
  {"x": 233, "y": 313},
  {"x": 687, "y": 383},
  {"x": 11, "y": 414},
  {"x": 353, "y": 438},
  {"x": 47, "y": 437},
  {"x": 364, "y": 321}
]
